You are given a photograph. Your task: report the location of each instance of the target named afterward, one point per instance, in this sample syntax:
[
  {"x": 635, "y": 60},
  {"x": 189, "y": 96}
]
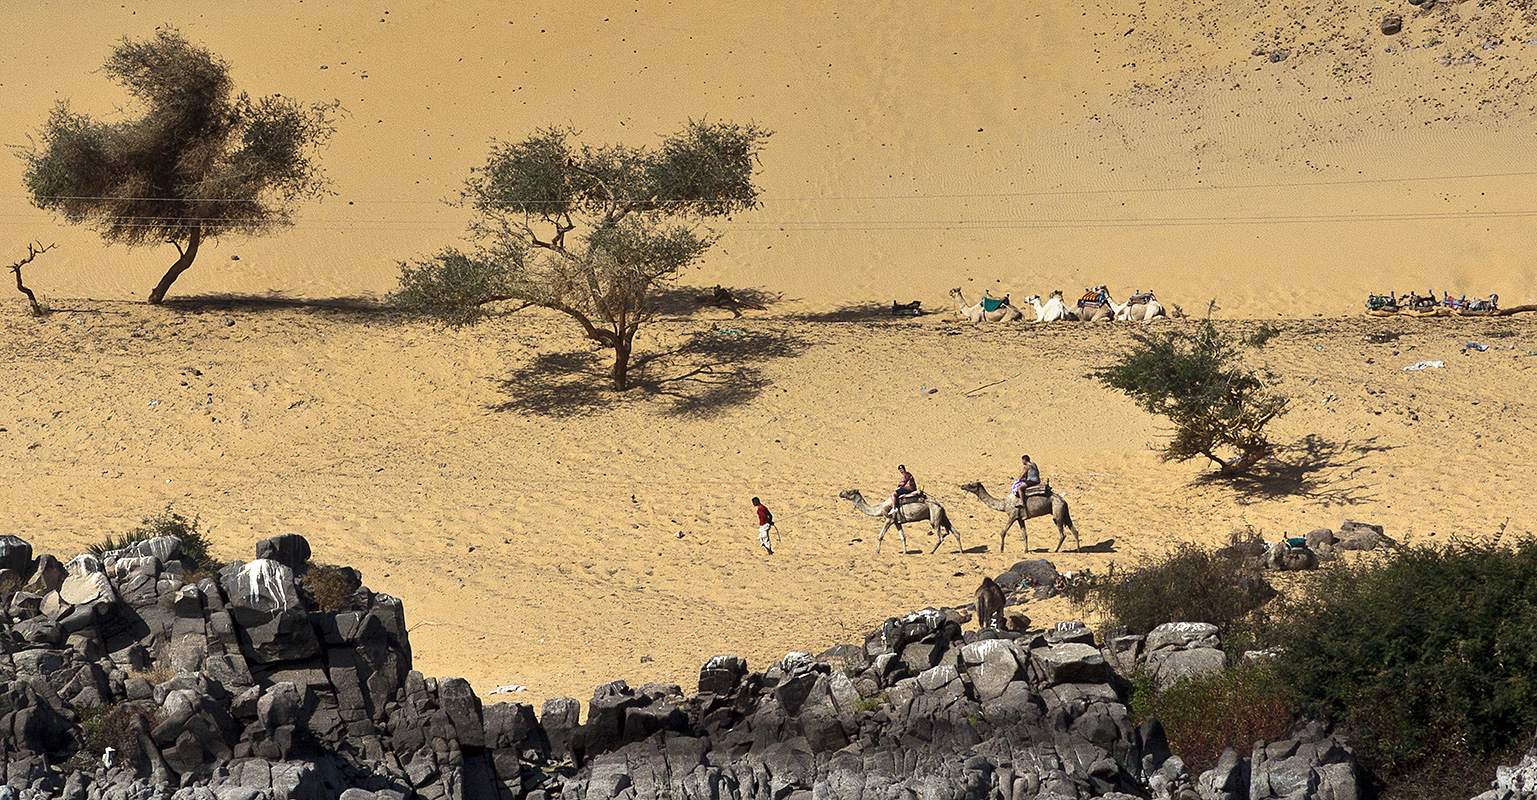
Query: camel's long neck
[
  {"x": 960, "y": 301},
  {"x": 866, "y": 508},
  {"x": 991, "y": 502}
]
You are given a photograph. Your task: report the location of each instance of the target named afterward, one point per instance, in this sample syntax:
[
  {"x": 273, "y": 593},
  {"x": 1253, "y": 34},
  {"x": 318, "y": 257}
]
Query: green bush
[
  {"x": 1206, "y": 715},
  {"x": 1196, "y": 381},
  {"x": 1429, "y": 658},
  {"x": 194, "y": 540},
  {"x": 1187, "y": 584}
]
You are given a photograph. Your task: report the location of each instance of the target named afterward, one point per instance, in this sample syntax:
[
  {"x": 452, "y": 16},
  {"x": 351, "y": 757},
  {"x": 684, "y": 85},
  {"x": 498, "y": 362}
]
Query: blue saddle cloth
[{"x": 990, "y": 304}]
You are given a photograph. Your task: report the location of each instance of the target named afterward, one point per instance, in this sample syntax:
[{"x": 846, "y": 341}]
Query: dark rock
[
  {"x": 290, "y": 549},
  {"x": 559, "y": 717},
  {"x": 16, "y": 556},
  {"x": 721, "y": 674},
  {"x": 1392, "y": 24}
]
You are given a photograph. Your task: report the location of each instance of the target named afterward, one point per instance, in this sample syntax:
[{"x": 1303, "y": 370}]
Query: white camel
[
  {"x": 913, "y": 511},
  {"x": 1139, "y": 312},
  {"x": 976, "y": 313},
  {"x": 1053, "y": 310}
]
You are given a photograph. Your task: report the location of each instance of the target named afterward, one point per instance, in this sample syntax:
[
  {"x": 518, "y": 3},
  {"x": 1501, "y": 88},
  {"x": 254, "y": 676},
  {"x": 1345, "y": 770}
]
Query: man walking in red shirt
[{"x": 765, "y": 522}]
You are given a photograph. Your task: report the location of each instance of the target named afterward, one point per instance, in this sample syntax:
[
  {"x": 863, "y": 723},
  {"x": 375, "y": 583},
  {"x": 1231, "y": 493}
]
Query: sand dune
[{"x": 1282, "y": 161}]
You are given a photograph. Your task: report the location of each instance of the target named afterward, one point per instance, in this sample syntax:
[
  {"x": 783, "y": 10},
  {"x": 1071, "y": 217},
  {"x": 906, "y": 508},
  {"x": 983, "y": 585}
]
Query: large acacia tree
[
  {"x": 201, "y": 161},
  {"x": 590, "y": 231}
]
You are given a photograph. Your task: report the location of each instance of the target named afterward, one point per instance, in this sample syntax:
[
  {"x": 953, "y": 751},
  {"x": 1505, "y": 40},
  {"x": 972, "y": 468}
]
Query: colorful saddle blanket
[
  {"x": 1094, "y": 297},
  {"x": 991, "y": 304}
]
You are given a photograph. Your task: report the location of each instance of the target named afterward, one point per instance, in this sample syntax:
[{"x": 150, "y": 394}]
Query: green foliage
[
  {"x": 1429, "y": 657},
  {"x": 194, "y": 540},
  {"x": 1187, "y": 584},
  {"x": 1206, "y": 715},
  {"x": 114, "y": 726},
  {"x": 632, "y": 214},
  {"x": 1195, "y": 381},
  {"x": 201, "y": 161},
  {"x": 870, "y": 703}
]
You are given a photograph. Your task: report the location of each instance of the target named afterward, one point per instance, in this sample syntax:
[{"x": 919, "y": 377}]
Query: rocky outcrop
[{"x": 238, "y": 686}]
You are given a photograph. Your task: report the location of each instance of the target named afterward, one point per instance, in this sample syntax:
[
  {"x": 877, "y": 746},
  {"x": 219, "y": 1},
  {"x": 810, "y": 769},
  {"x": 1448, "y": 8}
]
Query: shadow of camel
[
  {"x": 1313, "y": 467},
  {"x": 1107, "y": 546},
  {"x": 712, "y": 370},
  {"x": 981, "y": 548}
]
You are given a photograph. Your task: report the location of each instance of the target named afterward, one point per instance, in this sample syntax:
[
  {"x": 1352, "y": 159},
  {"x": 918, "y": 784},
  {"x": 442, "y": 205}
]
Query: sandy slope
[
  {"x": 917, "y": 148},
  {"x": 535, "y": 538}
]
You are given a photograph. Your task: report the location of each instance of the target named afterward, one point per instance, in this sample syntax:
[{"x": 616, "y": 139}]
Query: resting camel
[
  {"x": 1052, "y": 311},
  {"x": 1140, "y": 312},
  {"x": 926, "y": 508},
  {"x": 1004, "y": 313},
  {"x": 1036, "y": 506},
  {"x": 1094, "y": 313}
]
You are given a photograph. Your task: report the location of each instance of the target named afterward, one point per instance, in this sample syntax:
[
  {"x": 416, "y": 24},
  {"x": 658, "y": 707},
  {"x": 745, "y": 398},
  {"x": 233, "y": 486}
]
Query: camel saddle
[
  {"x": 1141, "y": 299},
  {"x": 1093, "y": 298},
  {"x": 1039, "y": 490},
  {"x": 915, "y": 497},
  {"x": 991, "y": 304}
]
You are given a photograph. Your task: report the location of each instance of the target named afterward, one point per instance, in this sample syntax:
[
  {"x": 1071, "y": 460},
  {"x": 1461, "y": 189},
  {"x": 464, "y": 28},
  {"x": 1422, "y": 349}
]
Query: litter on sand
[
  {"x": 511, "y": 687},
  {"x": 1425, "y": 365},
  {"x": 1475, "y": 346}
]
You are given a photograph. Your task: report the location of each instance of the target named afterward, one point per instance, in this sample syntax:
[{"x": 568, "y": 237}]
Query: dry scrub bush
[{"x": 1206, "y": 715}]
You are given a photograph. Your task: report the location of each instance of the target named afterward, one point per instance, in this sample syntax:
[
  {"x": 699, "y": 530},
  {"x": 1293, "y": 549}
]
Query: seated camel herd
[
  {"x": 1095, "y": 305},
  {"x": 922, "y": 507}
]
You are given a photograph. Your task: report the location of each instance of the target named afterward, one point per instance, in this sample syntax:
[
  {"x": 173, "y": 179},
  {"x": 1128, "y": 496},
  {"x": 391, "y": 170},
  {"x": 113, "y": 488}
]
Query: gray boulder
[
  {"x": 1068, "y": 663},
  {"x": 1178, "y": 651},
  {"x": 1312, "y": 765},
  {"x": 265, "y": 605}
]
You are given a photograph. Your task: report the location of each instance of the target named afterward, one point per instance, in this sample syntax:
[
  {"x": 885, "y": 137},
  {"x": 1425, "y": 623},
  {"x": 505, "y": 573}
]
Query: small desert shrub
[
  {"x": 328, "y": 587},
  {"x": 113, "y": 727},
  {"x": 1261, "y": 335},
  {"x": 1428, "y": 657},
  {"x": 155, "y": 675},
  {"x": 1206, "y": 715},
  {"x": 870, "y": 703},
  {"x": 1187, "y": 584},
  {"x": 1196, "y": 381},
  {"x": 194, "y": 540}
]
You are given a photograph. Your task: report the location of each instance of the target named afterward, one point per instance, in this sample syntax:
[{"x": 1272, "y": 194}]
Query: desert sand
[{"x": 1261, "y": 163}]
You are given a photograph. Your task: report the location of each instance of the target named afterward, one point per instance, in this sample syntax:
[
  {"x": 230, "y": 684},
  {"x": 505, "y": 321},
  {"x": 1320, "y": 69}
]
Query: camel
[
  {"x": 1004, "y": 313},
  {"x": 990, "y": 602},
  {"x": 1094, "y": 313},
  {"x": 1139, "y": 312},
  {"x": 1036, "y": 506},
  {"x": 926, "y": 508},
  {"x": 1053, "y": 311}
]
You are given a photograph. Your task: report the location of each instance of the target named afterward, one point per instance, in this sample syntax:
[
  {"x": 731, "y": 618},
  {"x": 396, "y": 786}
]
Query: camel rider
[
  {"x": 907, "y": 485},
  {"x": 1029, "y": 476}
]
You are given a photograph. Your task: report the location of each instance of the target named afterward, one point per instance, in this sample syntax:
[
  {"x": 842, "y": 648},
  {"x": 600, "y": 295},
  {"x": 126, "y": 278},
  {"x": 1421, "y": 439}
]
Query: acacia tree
[
  {"x": 1217, "y": 407},
  {"x": 589, "y": 231},
  {"x": 200, "y": 163}
]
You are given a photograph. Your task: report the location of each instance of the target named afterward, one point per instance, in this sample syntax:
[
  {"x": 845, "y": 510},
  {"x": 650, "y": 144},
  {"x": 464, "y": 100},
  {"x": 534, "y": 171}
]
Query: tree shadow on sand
[
  {"x": 711, "y": 371},
  {"x": 276, "y": 301},
  {"x": 682, "y": 301},
  {"x": 1314, "y": 468},
  {"x": 860, "y": 312}
]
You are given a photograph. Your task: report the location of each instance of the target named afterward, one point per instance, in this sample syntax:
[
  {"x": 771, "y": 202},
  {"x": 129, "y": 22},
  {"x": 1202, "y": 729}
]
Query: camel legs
[
  {"x": 880, "y": 537},
  {"x": 1003, "y": 537},
  {"x": 939, "y": 539}
]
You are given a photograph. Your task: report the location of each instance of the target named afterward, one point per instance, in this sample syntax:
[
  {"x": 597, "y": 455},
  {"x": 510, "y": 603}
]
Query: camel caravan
[
  {"x": 1028, "y": 498},
  {"x": 1095, "y": 305}
]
